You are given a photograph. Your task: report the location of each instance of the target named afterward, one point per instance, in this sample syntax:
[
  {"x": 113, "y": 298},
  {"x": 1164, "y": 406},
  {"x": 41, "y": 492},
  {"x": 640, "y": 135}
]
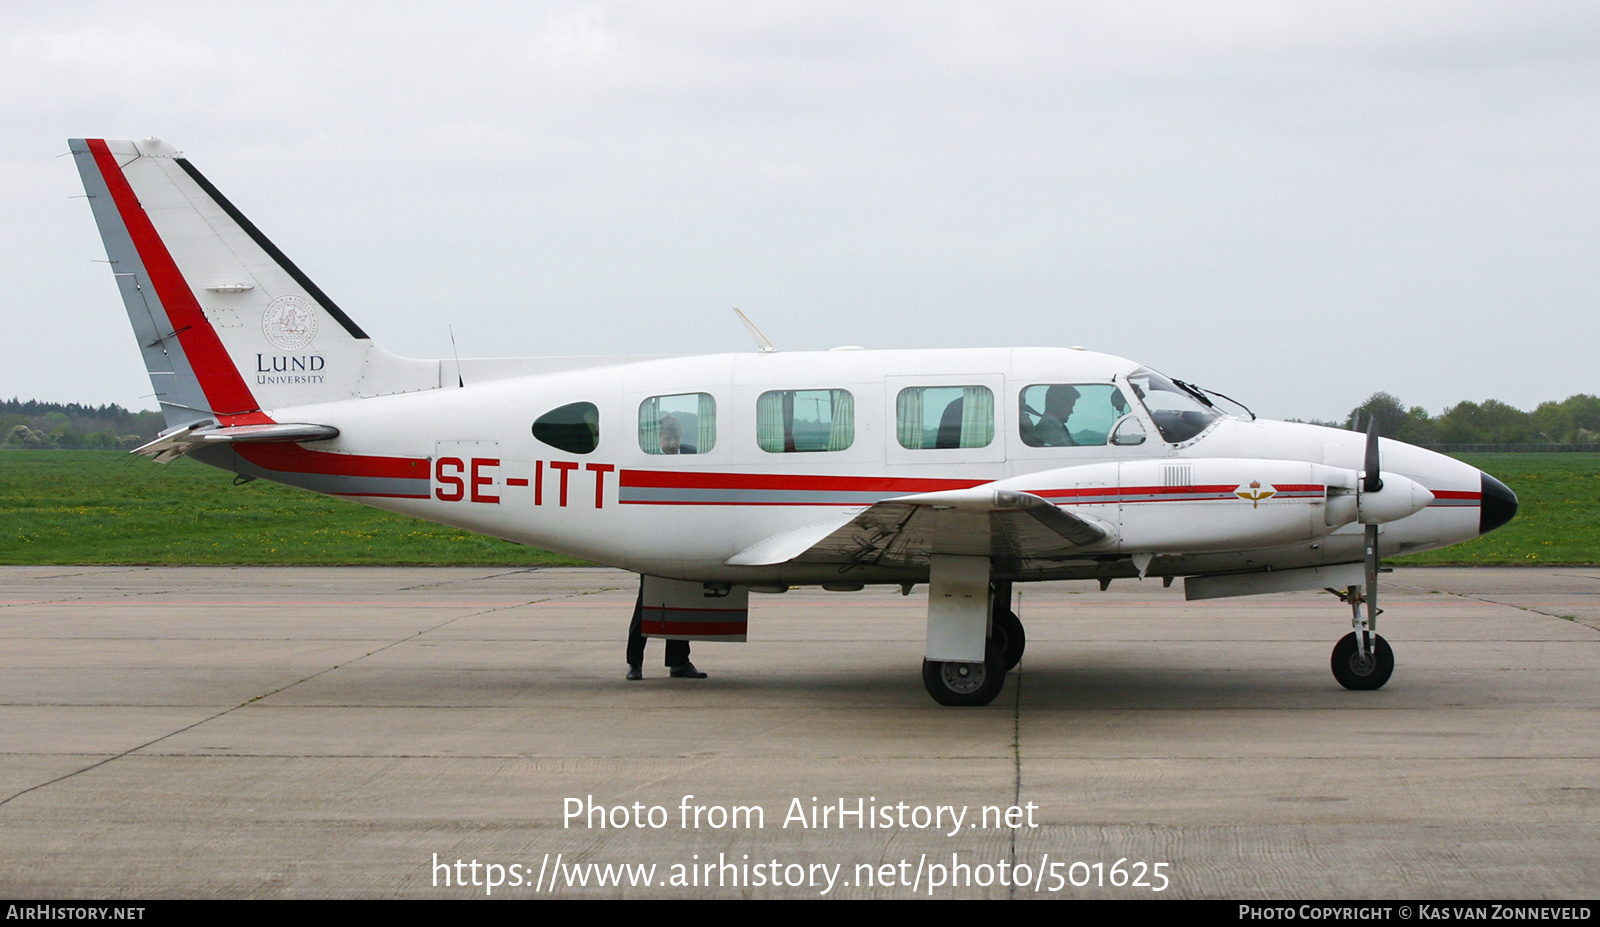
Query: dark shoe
[
  {"x": 687, "y": 671},
  {"x": 634, "y": 672}
]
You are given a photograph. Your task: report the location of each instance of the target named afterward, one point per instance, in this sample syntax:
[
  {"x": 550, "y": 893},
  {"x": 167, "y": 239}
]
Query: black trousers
[{"x": 677, "y": 651}]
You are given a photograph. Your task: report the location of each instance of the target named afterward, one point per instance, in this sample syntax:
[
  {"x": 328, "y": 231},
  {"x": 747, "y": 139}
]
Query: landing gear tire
[
  {"x": 959, "y": 684},
  {"x": 1356, "y": 672},
  {"x": 1009, "y": 638}
]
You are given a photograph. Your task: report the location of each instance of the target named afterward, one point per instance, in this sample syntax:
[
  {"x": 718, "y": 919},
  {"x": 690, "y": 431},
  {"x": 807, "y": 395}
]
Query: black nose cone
[{"x": 1499, "y": 505}]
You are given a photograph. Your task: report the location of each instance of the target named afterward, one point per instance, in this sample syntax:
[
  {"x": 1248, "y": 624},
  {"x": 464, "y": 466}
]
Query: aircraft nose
[{"x": 1499, "y": 505}]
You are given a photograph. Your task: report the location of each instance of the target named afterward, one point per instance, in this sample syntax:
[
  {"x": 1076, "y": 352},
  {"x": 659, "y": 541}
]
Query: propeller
[
  {"x": 1371, "y": 481},
  {"x": 1373, "y": 478}
]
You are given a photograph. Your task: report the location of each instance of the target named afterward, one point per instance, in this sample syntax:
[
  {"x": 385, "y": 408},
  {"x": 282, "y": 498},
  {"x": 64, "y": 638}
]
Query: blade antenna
[
  {"x": 459, "y": 382},
  {"x": 762, "y": 344}
]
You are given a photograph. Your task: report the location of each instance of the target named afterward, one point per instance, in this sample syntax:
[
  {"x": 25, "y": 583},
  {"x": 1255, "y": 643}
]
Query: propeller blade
[{"x": 1374, "y": 480}]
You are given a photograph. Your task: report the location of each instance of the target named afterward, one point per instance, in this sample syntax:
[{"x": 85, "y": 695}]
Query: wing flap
[
  {"x": 781, "y": 548},
  {"x": 1007, "y": 526}
]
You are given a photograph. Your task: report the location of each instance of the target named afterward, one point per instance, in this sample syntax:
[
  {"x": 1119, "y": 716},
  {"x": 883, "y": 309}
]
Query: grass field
[
  {"x": 1558, "y": 513},
  {"x": 103, "y": 507}
]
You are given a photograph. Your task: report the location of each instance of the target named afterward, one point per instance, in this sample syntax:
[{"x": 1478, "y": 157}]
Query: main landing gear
[{"x": 958, "y": 683}]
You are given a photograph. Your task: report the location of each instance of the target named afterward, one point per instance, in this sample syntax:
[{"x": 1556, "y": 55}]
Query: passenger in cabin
[
  {"x": 1051, "y": 429},
  {"x": 672, "y": 437},
  {"x": 677, "y": 662},
  {"x": 949, "y": 434}
]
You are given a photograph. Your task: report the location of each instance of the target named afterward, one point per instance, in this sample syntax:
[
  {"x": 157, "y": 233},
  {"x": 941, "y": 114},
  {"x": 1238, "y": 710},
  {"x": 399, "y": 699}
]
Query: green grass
[
  {"x": 1558, "y": 513},
  {"x": 105, "y": 507}
]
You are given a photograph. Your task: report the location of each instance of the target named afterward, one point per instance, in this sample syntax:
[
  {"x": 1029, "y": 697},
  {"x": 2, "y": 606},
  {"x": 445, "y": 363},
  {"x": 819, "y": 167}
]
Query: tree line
[
  {"x": 1574, "y": 420},
  {"x": 46, "y": 425}
]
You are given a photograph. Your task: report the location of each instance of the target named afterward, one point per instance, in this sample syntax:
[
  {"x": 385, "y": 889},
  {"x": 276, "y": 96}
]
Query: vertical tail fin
[{"x": 229, "y": 327}]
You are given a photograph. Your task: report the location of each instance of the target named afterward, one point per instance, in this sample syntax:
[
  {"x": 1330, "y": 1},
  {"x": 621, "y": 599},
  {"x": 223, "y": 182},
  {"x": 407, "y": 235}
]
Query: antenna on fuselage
[
  {"x": 762, "y": 344},
  {"x": 454, "y": 350}
]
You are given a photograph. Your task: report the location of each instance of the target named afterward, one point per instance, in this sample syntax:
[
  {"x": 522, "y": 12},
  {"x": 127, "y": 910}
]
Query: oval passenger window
[{"x": 574, "y": 427}]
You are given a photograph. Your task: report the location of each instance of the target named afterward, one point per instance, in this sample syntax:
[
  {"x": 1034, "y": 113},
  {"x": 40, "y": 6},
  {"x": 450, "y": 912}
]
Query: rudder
[{"x": 229, "y": 327}]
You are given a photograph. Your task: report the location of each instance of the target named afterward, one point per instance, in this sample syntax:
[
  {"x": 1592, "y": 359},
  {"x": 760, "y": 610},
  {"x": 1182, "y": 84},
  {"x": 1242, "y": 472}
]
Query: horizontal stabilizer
[{"x": 170, "y": 447}]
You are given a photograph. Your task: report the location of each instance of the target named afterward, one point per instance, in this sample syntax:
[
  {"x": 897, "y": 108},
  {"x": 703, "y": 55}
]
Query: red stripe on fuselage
[
  {"x": 225, "y": 390},
  {"x": 292, "y": 458},
  {"x": 1228, "y": 490}
]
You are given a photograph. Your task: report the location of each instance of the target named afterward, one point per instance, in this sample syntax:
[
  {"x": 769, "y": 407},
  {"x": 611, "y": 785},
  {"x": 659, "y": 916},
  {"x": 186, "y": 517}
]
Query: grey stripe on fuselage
[{"x": 649, "y": 494}]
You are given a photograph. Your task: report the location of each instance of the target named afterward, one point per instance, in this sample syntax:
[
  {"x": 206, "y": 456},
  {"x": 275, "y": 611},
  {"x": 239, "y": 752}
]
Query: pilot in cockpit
[{"x": 1051, "y": 429}]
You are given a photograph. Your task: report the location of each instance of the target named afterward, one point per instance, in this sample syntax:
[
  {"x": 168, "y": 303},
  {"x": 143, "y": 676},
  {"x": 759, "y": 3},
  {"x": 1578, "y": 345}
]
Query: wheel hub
[{"x": 964, "y": 678}]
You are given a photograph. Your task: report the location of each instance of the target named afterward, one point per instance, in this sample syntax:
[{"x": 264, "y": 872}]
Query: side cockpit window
[
  {"x": 797, "y": 420},
  {"x": 574, "y": 427},
  {"x": 1180, "y": 410},
  {"x": 1070, "y": 414},
  {"x": 685, "y": 423},
  {"x": 930, "y": 417}
]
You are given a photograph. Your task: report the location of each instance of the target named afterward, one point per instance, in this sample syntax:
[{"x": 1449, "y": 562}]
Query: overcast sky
[{"x": 1295, "y": 204}]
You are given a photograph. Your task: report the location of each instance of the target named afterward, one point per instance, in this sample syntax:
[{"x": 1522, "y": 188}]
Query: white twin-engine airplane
[{"x": 716, "y": 476}]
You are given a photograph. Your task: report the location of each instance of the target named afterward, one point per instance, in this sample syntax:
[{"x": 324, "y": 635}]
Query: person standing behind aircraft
[{"x": 677, "y": 661}]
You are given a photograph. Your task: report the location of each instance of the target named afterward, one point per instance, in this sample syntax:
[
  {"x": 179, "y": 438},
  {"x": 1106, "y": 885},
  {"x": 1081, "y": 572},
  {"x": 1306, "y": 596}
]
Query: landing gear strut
[{"x": 1362, "y": 659}]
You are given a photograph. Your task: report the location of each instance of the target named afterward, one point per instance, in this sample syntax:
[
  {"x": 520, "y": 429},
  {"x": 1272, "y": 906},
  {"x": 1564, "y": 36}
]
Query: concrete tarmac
[{"x": 316, "y": 732}]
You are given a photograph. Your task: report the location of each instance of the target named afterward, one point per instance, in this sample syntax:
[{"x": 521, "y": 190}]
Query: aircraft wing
[{"x": 1006, "y": 526}]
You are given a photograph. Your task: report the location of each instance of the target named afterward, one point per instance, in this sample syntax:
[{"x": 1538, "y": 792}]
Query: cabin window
[
  {"x": 685, "y": 423},
  {"x": 574, "y": 427},
  {"x": 1069, "y": 414},
  {"x": 945, "y": 417},
  {"x": 792, "y": 421}
]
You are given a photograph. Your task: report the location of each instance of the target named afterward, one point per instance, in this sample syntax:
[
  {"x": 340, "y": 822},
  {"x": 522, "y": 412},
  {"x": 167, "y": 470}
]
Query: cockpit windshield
[{"x": 1180, "y": 411}]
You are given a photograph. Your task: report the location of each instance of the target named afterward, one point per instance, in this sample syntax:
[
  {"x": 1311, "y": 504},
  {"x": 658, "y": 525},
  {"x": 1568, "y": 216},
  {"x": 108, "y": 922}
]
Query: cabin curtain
[
  {"x": 769, "y": 422},
  {"x": 650, "y": 425},
  {"x": 708, "y": 424},
  {"x": 977, "y": 416},
  {"x": 910, "y": 418},
  {"x": 843, "y": 430}
]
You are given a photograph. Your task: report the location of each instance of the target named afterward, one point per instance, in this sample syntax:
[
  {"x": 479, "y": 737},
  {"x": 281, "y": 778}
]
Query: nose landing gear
[{"x": 1362, "y": 659}]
